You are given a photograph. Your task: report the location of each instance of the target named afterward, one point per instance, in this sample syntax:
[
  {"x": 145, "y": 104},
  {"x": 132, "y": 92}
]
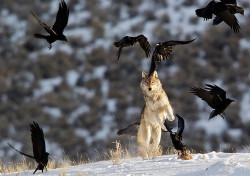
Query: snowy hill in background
[{"x": 210, "y": 164}]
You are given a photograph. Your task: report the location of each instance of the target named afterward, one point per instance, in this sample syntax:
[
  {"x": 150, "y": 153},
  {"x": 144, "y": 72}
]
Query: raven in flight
[
  {"x": 176, "y": 137},
  {"x": 131, "y": 41},
  {"x": 39, "y": 148},
  {"x": 163, "y": 50},
  {"x": 223, "y": 11},
  {"x": 56, "y": 32},
  {"x": 215, "y": 98},
  {"x": 131, "y": 130}
]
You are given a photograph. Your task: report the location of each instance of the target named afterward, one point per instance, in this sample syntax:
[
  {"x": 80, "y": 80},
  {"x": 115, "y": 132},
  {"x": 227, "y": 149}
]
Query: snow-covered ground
[{"x": 210, "y": 164}]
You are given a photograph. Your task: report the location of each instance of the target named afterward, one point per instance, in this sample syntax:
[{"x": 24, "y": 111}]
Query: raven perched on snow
[
  {"x": 215, "y": 98},
  {"x": 131, "y": 130},
  {"x": 163, "y": 50},
  {"x": 39, "y": 148},
  {"x": 224, "y": 11},
  {"x": 177, "y": 137},
  {"x": 131, "y": 41},
  {"x": 56, "y": 32}
]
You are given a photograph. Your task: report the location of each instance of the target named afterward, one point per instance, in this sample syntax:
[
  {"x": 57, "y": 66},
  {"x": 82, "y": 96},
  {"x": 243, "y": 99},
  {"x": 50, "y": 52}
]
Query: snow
[
  {"x": 84, "y": 91},
  {"x": 79, "y": 17},
  {"x": 245, "y": 106},
  {"x": 122, "y": 28},
  {"x": 4, "y": 144},
  {"x": 85, "y": 33},
  {"x": 47, "y": 86},
  {"x": 210, "y": 164},
  {"x": 9, "y": 20},
  {"x": 53, "y": 112},
  {"x": 54, "y": 150},
  {"x": 107, "y": 123},
  {"x": 81, "y": 110},
  {"x": 214, "y": 126},
  {"x": 72, "y": 77},
  {"x": 244, "y": 44},
  {"x": 133, "y": 110},
  {"x": 83, "y": 133},
  {"x": 99, "y": 72},
  {"x": 111, "y": 105},
  {"x": 235, "y": 133}
]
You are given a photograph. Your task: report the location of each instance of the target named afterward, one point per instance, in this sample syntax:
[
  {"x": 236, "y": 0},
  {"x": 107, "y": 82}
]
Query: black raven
[
  {"x": 39, "y": 148},
  {"x": 131, "y": 130},
  {"x": 56, "y": 32},
  {"x": 131, "y": 41},
  {"x": 176, "y": 137},
  {"x": 163, "y": 50},
  {"x": 224, "y": 11},
  {"x": 215, "y": 98}
]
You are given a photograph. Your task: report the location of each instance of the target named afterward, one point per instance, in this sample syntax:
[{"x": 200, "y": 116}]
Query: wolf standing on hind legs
[{"x": 156, "y": 110}]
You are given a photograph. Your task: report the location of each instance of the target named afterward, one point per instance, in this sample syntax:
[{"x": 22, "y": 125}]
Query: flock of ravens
[{"x": 215, "y": 96}]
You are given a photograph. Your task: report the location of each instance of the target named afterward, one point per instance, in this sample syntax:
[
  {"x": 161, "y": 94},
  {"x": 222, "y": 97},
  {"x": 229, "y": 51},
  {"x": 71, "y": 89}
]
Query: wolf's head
[{"x": 150, "y": 83}]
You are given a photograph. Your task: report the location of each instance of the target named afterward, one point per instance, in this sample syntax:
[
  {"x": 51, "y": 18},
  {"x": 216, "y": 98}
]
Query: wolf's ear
[
  {"x": 144, "y": 74},
  {"x": 155, "y": 74}
]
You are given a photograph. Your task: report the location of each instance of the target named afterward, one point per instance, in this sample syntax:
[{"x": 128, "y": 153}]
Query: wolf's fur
[{"x": 156, "y": 110}]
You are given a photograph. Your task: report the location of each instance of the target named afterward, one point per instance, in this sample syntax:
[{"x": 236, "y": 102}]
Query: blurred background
[{"x": 81, "y": 96}]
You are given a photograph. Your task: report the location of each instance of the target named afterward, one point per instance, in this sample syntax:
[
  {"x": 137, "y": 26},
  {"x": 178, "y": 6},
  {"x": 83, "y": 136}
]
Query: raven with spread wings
[
  {"x": 131, "y": 41},
  {"x": 224, "y": 10},
  {"x": 39, "y": 148},
  {"x": 163, "y": 50},
  {"x": 56, "y": 32},
  {"x": 215, "y": 98}
]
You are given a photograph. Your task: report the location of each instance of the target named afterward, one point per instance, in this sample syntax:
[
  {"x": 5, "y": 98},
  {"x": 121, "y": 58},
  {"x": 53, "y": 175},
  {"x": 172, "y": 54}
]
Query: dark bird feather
[
  {"x": 163, "y": 50},
  {"x": 223, "y": 11},
  {"x": 131, "y": 41},
  {"x": 215, "y": 98},
  {"x": 56, "y": 32},
  {"x": 39, "y": 148}
]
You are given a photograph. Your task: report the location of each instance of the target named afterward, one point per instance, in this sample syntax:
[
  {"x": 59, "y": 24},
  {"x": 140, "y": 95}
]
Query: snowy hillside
[{"x": 210, "y": 164}]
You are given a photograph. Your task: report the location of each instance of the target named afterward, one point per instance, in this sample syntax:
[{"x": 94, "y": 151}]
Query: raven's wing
[
  {"x": 45, "y": 26},
  {"x": 219, "y": 93},
  {"x": 217, "y": 20},
  {"x": 38, "y": 141},
  {"x": 162, "y": 51},
  {"x": 207, "y": 12},
  {"x": 119, "y": 53},
  {"x": 143, "y": 41},
  {"x": 21, "y": 152},
  {"x": 61, "y": 18},
  {"x": 229, "y": 2},
  {"x": 230, "y": 20},
  {"x": 167, "y": 126},
  {"x": 181, "y": 125},
  {"x": 124, "y": 42},
  {"x": 204, "y": 95}
]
